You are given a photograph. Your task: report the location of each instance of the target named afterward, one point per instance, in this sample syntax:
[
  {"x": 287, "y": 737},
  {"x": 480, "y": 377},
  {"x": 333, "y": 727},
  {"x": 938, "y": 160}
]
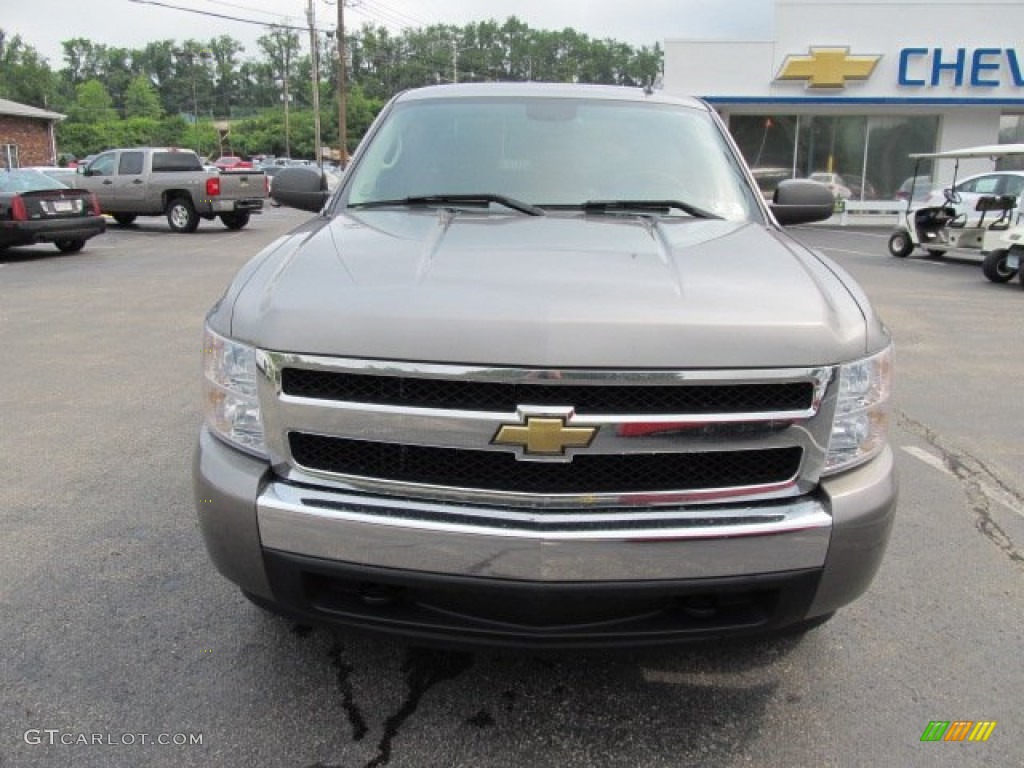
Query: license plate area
[{"x": 59, "y": 207}]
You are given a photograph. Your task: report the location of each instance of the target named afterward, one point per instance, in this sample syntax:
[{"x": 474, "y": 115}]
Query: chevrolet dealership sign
[
  {"x": 827, "y": 67},
  {"x": 976, "y": 67},
  {"x": 833, "y": 67},
  {"x": 930, "y": 53}
]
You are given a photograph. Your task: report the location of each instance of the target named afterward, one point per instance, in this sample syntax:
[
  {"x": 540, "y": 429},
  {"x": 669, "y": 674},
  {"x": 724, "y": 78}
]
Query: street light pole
[
  {"x": 314, "y": 51},
  {"x": 342, "y": 125},
  {"x": 195, "y": 108},
  {"x": 287, "y": 125},
  {"x": 190, "y": 57}
]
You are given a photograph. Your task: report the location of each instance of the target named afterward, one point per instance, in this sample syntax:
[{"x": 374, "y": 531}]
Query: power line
[
  {"x": 390, "y": 9},
  {"x": 247, "y": 8},
  {"x": 387, "y": 15},
  {"x": 218, "y": 15}
]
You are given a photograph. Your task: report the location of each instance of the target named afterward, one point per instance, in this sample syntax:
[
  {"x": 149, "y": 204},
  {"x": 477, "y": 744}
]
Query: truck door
[
  {"x": 128, "y": 183},
  {"x": 98, "y": 178}
]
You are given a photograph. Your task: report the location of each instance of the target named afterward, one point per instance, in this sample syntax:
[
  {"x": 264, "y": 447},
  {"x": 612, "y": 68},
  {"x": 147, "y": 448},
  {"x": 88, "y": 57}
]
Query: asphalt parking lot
[{"x": 123, "y": 647}]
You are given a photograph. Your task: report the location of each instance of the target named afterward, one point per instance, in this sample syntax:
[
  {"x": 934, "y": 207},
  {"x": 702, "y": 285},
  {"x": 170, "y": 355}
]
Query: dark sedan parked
[{"x": 35, "y": 208}]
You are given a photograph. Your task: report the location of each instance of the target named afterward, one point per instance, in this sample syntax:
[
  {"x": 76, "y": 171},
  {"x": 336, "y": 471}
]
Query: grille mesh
[
  {"x": 587, "y": 399},
  {"x": 500, "y": 471}
]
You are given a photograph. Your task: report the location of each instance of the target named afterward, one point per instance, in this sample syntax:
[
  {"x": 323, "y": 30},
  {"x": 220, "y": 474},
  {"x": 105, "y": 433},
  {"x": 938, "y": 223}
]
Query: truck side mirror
[
  {"x": 302, "y": 186},
  {"x": 801, "y": 201}
]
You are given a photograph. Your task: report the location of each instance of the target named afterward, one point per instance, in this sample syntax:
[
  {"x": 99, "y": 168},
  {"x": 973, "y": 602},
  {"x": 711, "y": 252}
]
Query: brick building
[{"x": 27, "y": 135}]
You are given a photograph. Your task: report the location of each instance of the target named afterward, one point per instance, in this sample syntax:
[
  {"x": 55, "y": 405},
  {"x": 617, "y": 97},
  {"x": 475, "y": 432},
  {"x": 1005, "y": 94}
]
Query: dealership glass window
[{"x": 869, "y": 153}]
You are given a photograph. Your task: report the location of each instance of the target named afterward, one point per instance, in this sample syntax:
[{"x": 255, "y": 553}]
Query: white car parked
[{"x": 993, "y": 183}]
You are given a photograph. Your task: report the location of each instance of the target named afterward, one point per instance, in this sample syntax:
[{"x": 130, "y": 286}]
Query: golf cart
[{"x": 989, "y": 228}]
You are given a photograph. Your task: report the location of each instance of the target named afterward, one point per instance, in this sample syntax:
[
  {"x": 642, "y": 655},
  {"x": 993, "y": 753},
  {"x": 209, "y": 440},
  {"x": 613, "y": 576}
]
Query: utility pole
[
  {"x": 455, "y": 61},
  {"x": 190, "y": 57},
  {"x": 195, "y": 107},
  {"x": 287, "y": 123},
  {"x": 284, "y": 51},
  {"x": 342, "y": 125},
  {"x": 314, "y": 50}
]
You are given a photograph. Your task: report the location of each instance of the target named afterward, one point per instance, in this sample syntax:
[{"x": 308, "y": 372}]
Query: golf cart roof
[{"x": 989, "y": 150}]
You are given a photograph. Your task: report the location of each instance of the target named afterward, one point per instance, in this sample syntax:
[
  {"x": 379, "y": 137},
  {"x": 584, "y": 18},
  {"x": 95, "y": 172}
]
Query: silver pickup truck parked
[
  {"x": 545, "y": 370},
  {"x": 149, "y": 181}
]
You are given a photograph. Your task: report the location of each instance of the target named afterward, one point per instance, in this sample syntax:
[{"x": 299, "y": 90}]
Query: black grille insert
[
  {"x": 500, "y": 471},
  {"x": 584, "y": 398}
]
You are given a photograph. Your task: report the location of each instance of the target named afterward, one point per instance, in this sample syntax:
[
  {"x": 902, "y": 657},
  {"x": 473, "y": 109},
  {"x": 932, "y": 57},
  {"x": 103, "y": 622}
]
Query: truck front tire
[
  {"x": 235, "y": 221},
  {"x": 181, "y": 215}
]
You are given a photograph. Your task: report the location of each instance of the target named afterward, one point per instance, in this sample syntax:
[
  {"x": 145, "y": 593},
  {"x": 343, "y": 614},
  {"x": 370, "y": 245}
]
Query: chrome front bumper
[
  {"x": 549, "y": 546},
  {"x": 841, "y": 531}
]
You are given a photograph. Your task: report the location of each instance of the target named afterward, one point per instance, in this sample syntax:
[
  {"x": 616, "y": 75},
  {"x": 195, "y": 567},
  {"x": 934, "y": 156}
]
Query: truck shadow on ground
[{"x": 408, "y": 705}]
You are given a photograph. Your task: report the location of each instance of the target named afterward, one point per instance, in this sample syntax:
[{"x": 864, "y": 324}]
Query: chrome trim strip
[
  {"x": 455, "y": 495},
  {"x": 820, "y": 376},
  {"x": 570, "y": 545},
  {"x": 474, "y": 430}
]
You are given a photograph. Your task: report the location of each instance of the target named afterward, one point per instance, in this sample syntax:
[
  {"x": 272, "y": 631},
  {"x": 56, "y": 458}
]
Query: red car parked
[{"x": 232, "y": 163}]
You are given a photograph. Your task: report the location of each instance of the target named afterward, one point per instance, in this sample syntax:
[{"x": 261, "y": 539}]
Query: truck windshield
[{"x": 554, "y": 153}]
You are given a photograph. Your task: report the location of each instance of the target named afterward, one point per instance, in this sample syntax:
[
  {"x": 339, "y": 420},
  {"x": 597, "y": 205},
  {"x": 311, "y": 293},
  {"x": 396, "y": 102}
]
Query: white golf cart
[{"x": 990, "y": 228}]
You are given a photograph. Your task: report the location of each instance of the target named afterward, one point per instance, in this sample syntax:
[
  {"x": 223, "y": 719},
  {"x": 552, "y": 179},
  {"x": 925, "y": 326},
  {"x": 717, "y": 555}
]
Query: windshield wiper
[
  {"x": 481, "y": 200},
  {"x": 656, "y": 206}
]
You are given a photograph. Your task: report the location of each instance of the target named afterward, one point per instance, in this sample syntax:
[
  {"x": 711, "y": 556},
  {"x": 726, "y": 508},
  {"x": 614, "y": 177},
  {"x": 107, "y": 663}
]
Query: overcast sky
[{"x": 124, "y": 23}]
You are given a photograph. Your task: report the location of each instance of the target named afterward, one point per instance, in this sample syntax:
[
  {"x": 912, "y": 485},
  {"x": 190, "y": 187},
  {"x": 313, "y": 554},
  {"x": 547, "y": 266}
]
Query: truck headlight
[
  {"x": 230, "y": 404},
  {"x": 861, "y": 421}
]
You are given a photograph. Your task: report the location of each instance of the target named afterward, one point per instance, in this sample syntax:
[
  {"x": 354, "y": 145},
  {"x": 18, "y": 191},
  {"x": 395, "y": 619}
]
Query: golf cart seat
[
  {"x": 935, "y": 218},
  {"x": 1001, "y": 204}
]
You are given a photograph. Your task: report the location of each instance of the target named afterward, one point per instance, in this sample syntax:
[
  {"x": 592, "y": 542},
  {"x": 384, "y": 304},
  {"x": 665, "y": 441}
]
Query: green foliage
[
  {"x": 25, "y": 77},
  {"x": 92, "y": 103},
  {"x": 360, "y": 110},
  {"x": 141, "y": 99},
  {"x": 81, "y": 139},
  {"x": 116, "y": 96}
]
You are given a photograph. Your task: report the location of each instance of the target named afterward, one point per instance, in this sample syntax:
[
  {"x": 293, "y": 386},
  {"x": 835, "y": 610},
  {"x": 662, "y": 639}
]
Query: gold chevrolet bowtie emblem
[
  {"x": 827, "y": 67},
  {"x": 544, "y": 436}
]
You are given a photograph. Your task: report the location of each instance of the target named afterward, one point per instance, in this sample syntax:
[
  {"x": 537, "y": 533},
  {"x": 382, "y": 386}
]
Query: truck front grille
[
  {"x": 506, "y": 397},
  {"x": 430, "y": 432},
  {"x": 586, "y": 474}
]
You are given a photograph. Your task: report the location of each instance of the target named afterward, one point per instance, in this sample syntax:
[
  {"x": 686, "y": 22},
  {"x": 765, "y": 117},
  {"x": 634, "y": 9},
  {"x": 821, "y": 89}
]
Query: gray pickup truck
[
  {"x": 546, "y": 371},
  {"x": 152, "y": 181}
]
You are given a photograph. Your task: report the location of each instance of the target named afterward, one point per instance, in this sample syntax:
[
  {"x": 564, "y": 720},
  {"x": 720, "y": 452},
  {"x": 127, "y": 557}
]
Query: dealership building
[{"x": 853, "y": 88}]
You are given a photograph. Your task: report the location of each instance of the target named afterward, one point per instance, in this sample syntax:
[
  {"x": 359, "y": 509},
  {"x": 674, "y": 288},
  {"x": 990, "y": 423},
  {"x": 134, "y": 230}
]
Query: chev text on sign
[{"x": 977, "y": 67}]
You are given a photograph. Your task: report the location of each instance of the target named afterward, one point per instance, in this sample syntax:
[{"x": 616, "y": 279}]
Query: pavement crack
[
  {"x": 424, "y": 669},
  {"x": 348, "y": 699},
  {"x": 979, "y": 484}
]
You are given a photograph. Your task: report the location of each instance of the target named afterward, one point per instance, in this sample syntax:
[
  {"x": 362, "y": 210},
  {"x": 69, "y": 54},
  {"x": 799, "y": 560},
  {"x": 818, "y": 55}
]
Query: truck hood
[{"x": 554, "y": 291}]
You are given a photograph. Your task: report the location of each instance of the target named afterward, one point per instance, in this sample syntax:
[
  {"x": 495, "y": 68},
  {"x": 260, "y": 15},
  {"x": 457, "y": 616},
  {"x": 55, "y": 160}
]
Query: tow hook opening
[{"x": 379, "y": 595}]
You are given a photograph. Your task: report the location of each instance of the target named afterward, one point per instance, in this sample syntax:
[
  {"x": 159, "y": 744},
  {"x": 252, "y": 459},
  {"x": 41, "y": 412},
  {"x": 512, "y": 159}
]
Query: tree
[
  {"x": 25, "y": 76},
  {"x": 224, "y": 70},
  {"x": 99, "y": 83},
  {"x": 141, "y": 99},
  {"x": 92, "y": 103},
  {"x": 281, "y": 47},
  {"x": 82, "y": 60}
]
